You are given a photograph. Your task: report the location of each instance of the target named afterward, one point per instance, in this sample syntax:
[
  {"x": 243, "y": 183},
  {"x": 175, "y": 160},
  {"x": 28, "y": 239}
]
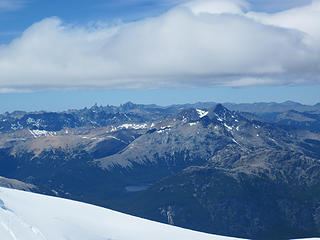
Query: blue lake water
[{"x": 137, "y": 188}]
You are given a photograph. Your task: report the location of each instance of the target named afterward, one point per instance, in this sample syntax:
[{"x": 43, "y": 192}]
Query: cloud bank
[{"x": 197, "y": 44}]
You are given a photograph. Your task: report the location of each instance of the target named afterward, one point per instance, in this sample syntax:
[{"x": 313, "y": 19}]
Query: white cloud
[
  {"x": 201, "y": 43},
  {"x": 305, "y": 19}
]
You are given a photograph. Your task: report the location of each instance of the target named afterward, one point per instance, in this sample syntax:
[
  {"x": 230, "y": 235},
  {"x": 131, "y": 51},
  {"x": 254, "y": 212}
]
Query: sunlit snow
[
  {"x": 39, "y": 133},
  {"x": 30, "y": 216},
  {"x": 129, "y": 126},
  {"x": 202, "y": 113}
]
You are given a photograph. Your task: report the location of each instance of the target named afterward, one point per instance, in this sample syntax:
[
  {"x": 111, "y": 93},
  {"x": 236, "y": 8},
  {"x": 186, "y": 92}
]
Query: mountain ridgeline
[{"x": 252, "y": 174}]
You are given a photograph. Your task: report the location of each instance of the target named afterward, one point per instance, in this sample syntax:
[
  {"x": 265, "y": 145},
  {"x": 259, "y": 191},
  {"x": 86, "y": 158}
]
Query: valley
[{"x": 202, "y": 166}]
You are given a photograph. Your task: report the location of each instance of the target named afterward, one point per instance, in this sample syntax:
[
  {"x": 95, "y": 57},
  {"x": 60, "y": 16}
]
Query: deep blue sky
[{"x": 16, "y": 19}]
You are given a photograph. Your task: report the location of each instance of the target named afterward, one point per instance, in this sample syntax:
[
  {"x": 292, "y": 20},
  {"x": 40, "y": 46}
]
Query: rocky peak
[
  {"x": 128, "y": 106},
  {"x": 188, "y": 115},
  {"x": 96, "y": 108},
  {"x": 219, "y": 108},
  {"x": 220, "y": 113}
]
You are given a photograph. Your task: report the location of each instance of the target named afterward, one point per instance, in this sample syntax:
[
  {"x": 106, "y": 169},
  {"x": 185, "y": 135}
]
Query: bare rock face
[
  {"x": 2, "y": 204},
  {"x": 15, "y": 184}
]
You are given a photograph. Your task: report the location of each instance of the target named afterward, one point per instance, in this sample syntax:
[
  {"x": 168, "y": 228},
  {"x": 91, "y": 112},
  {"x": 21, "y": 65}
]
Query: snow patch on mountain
[
  {"x": 40, "y": 133},
  {"x": 227, "y": 126},
  {"x": 133, "y": 126},
  {"x": 129, "y": 126},
  {"x": 36, "y": 123},
  {"x": 164, "y": 129},
  {"x": 202, "y": 113}
]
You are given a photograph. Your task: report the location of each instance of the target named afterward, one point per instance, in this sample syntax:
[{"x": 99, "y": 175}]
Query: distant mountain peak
[
  {"x": 317, "y": 104},
  {"x": 289, "y": 102},
  {"x": 219, "y": 112},
  {"x": 190, "y": 114},
  {"x": 219, "y": 108},
  {"x": 96, "y": 107},
  {"x": 128, "y": 106}
]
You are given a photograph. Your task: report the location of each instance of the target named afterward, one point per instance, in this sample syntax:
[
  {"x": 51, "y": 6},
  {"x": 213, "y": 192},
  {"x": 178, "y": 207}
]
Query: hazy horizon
[{"x": 73, "y": 54}]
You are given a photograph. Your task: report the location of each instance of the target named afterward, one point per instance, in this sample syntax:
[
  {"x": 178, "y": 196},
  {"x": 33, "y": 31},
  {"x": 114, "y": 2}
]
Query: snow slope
[{"x": 30, "y": 216}]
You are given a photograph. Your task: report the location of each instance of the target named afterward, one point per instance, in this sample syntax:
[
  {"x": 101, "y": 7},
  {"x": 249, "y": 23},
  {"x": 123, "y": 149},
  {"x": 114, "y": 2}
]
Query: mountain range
[{"x": 242, "y": 170}]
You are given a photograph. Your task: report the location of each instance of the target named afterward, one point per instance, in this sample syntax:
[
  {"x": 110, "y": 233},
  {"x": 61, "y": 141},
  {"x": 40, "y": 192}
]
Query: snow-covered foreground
[{"x": 30, "y": 216}]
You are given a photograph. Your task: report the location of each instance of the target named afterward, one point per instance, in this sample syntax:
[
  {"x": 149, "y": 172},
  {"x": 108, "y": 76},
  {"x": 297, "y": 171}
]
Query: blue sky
[
  {"x": 62, "y": 100},
  {"x": 15, "y": 20},
  {"x": 29, "y": 37}
]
